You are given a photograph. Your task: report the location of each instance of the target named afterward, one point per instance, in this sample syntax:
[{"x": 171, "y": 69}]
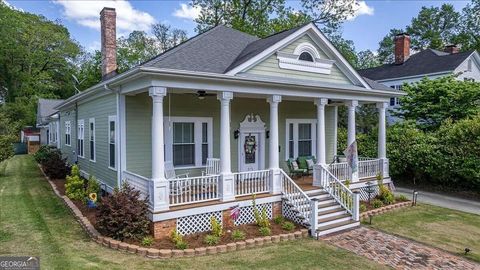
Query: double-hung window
[
  {"x": 188, "y": 141},
  {"x": 80, "y": 139},
  {"x": 112, "y": 141},
  {"x": 68, "y": 133},
  {"x": 91, "y": 137},
  {"x": 300, "y": 137}
]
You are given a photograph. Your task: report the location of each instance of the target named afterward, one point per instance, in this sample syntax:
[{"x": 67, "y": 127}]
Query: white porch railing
[
  {"x": 253, "y": 182},
  {"x": 193, "y": 189},
  {"x": 296, "y": 198},
  {"x": 367, "y": 167},
  {"x": 343, "y": 195},
  {"x": 137, "y": 181}
]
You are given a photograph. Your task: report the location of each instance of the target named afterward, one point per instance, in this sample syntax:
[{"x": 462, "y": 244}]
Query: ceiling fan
[{"x": 201, "y": 94}]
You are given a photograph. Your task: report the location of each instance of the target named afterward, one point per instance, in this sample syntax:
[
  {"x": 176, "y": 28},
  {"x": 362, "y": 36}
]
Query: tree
[
  {"x": 434, "y": 27},
  {"x": 138, "y": 47},
  {"x": 469, "y": 36},
  {"x": 168, "y": 37},
  {"x": 265, "y": 17},
  {"x": 431, "y": 102},
  {"x": 367, "y": 59}
]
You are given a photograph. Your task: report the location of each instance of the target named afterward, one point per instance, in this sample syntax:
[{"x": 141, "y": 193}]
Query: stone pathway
[{"x": 397, "y": 252}]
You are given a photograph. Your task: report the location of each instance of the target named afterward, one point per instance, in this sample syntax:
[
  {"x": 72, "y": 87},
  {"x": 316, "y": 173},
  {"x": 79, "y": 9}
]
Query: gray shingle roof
[
  {"x": 212, "y": 51},
  {"x": 376, "y": 85},
  {"x": 424, "y": 62},
  {"x": 45, "y": 109}
]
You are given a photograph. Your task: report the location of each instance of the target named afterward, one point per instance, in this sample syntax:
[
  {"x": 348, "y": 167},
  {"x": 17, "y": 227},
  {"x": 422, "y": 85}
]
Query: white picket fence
[
  {"x": 252, "y": 182},
  {"x": 193, "y": 189}
]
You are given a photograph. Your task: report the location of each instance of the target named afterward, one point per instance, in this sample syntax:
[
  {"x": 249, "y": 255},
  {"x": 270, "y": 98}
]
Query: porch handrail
[
  {"x": 369, "y": 168},
  {"x": 252, "y": 182},
  {"x": 194, "y": 189},
  {"x": 340, "y": 170},
  {"x": 343, "y": 195},
  {"x": 295, "y": 196}
]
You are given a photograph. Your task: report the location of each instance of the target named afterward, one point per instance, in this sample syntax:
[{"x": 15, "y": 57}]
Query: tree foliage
[{"x": 431, "y": 102}]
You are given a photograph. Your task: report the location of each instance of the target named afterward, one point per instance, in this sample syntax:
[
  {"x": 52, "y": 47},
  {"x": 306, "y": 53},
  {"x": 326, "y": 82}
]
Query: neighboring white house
[
  {"x": 427, "y": 63},
  {"x": 47, "y": 121},
  {"x": 207, "y": 124}
]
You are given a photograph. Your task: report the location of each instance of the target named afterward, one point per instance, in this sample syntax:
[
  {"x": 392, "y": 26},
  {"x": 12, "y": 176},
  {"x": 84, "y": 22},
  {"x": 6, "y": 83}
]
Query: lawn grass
[
  {"x": 443, "y": 228},
  {"x": 34, "y": 222}
]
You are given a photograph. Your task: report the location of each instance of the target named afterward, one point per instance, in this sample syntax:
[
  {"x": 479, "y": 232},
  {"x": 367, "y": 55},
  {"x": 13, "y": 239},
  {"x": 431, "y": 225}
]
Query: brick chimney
[
  {"x": 451, "y": 49},
  {"x": 402, "y": 48},
  {"x": 108, "y": 25}
]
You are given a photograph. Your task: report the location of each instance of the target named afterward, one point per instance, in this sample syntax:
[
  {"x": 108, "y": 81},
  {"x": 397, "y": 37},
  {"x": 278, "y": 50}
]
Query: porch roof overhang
[{"x": 139, "y": 79}]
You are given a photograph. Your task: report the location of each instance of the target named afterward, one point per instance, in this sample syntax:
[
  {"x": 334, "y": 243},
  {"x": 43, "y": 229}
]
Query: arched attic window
[{"x": 306, "y": 56}]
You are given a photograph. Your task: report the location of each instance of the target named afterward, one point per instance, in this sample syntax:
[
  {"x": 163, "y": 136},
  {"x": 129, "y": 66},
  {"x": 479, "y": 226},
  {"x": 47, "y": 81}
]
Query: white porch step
[
  {"x": 332, "y": 212},
  {"x": 333, "y": 220},
  {"x": 332, "y": 228}
]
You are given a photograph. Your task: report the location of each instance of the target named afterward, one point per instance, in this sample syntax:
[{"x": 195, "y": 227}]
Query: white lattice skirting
[
  {"x": 246, "y": 213},
  {"x": 288, "y": 213},
  {"x": 197, "y": 223},
  {"x": 364, "y": 193}
]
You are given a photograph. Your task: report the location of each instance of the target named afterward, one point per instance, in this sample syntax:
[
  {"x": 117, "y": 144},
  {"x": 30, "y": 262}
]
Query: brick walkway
[{"x": 397, "y": 252}]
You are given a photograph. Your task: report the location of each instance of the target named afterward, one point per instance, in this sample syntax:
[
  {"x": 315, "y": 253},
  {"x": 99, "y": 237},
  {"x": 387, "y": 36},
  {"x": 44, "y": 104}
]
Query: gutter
[{"x": 138, "y": 71}]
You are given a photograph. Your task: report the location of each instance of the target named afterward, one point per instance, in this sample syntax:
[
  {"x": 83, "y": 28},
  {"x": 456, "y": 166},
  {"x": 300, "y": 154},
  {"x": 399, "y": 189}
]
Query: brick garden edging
[
  {"x": 169, "y": 253},
  {"x": 384, "y": 209}
]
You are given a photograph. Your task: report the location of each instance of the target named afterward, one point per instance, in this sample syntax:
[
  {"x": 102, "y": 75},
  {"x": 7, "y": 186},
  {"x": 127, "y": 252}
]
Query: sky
[{"x": 366, "y": 28}]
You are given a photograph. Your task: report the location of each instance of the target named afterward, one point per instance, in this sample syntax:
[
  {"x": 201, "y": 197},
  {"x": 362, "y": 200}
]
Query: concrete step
[
  {"x": 334, "y": 220},
  {"x": 332, "y": 228}
]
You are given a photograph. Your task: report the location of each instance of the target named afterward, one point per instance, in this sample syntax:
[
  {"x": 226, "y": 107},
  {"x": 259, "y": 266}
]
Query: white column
[
  {"x": 352, "y": 105},
  {"x": 227, "y": 185},
  {"x": 273, "y": 158},
  {"x": 159, "y": 188},
  {"x": 382, "y": 137},
  {"x": 321, "y": 147}
]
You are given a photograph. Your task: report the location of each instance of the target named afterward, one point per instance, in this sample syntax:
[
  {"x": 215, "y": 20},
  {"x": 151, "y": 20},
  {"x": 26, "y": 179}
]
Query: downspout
[{"x": 118, "y": 135}]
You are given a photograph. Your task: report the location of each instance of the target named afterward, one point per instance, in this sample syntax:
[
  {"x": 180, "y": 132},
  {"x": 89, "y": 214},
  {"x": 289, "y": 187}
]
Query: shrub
[
  {"x": 260, "y": 218},
  {"x": 377, "y": 203},
  {"x": 278, "y": 220},
  {"x": 388, "y": 198},
  {"x": 288, "y": 226},
  {"x": 363, "y": 208},
  {"x": 265, "y": 231},
  {"x": 42, "y": 154},
  {"x": 238, "y": 235},
  {"x": 74, "y": 186},
  {"x": 402, "y": 198},
  {"x": 216, "y": 227},
  {"x": 147, "y": 241},
  {"x": 384, "y": 194},
  {"x": 6, "y": 147},
  {"x": 123, "y": 215},
  {"x": 55, "y": 165},
  {"x": 93, "y": 186},
  {"x": 181, "y": 245},
  {"x": 211, "y": 240}
]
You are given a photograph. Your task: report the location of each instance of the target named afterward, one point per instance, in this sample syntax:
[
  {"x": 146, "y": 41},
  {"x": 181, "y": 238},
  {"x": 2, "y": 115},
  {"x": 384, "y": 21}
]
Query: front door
[{"x": 249, "y": 152}]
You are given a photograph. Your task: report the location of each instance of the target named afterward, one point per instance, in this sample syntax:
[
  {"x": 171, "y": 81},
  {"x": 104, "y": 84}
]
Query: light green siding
[
  {"x": 68, "y": 151},
  {"x": 269, "y": 67},
  {"x": 138, "y": 125},
  {"x": 99, "y": 109}
]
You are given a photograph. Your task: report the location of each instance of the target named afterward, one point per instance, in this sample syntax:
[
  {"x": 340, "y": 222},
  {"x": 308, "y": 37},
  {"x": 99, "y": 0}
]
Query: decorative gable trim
[{"x": 290, "y": 61}]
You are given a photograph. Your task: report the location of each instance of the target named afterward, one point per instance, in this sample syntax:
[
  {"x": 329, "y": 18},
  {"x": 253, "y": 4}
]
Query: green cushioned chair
[
  {"x": 293, "y": 171},
  {"x": 302, "y": 163}
]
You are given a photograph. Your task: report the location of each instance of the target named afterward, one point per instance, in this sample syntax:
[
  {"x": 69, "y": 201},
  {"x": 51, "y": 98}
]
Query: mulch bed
[
  {"x": 369, "y": 206},
  {"x": 193, "y": 240}
]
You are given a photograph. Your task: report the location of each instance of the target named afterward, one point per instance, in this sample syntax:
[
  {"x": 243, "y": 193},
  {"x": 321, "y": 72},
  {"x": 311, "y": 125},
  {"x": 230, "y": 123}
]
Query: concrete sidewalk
[{"x": 442, "y": 200}]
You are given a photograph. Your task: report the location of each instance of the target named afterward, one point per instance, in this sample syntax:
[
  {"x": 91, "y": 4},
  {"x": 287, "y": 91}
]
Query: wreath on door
[{"x": 250, "y": 145}]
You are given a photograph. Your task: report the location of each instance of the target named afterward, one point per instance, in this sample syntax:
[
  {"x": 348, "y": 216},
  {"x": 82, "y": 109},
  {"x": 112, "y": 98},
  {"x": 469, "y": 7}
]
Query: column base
[
  {"x": 275, "y": 181},
  {"x": 159, "y": 191},
  {"x": 385, "y": 168},
  {"x": 227, "y": 187},
  {"x": 317, "y": 174}
]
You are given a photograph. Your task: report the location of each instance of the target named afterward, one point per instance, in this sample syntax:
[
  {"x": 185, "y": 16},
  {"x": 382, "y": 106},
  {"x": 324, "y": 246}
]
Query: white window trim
[
  {"x": 112, "y": 118},
  {"x": 168, "y": 130},
  {"x": 295, "y": 123},
  {"x": 68, "y": 131},
  {"x": 81, "y": 136},
  {"x": 92, "y": 121}
]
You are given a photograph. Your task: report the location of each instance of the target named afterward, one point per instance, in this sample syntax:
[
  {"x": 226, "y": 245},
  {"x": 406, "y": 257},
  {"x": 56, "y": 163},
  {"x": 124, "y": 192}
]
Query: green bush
[
  {"x": 211, "y": 240},
  {"x": 278, "y": 220},
  {"x": 377, "y": 203},
  {"x": 43, "y": 153},
  {"x": 216, "y": 227},
  {"x": 288, "y": 226},
  {"x": 261, "y": 218},
  {"x": 363, "y": 208},
  {"x": 6, "y": 147},
  {"x": 123, "y": 215},
  {"x": 55, "y": 165},
  {"x": 147, "y": 241},
  {"x": 75, "y": 185},
  {"x": 238, "y": 235},
  {"x": 265, "y": 231},
  {"x": 93, "y": 186},
  {"x": 402, "y": 198},
  {"x": 181, "y": 245}
]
